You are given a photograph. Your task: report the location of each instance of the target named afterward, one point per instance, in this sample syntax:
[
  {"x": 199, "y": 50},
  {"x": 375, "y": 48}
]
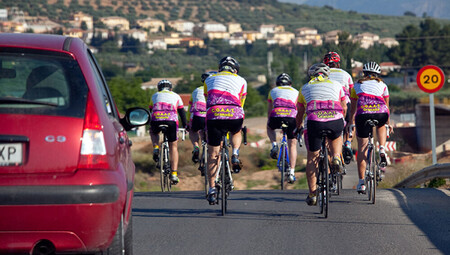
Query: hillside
[
  {"x": 250, "y": 13},
  {"x": 432, "y": 8}
]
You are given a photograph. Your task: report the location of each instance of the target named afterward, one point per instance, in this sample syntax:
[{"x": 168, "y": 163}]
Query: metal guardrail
[{"x": 424, "y": 175}]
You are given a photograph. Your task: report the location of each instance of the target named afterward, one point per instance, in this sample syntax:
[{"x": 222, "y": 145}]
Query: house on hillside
[
  {"x": 251, "y": 36},
  {"x": 307, "y": 36},
  {"x": 41, "y": 24},
  {"x": 283, "y": 38},
  {"x": 388, "y": 42},
  {"x": 153, "y": 83},
  {"x": 173, "y": 40},
  {"x": 78, "y": 18},
  {"x": 212, "y": 26},
  {"x": 366, "y": 40},
  {"x": 234, "y": 27},
  {"x": 156, "y": 44},
  {"x": 236, "y": 39},
  {"x": 192, "y": 42},
  {"x": 137, "y": 34},
  {"x": 218, "y": 35},
  {"x": 332, "y": 36},
  {"x": 153, "y": 25},
  {"x": 76, "y": 32},
  {"x": 116, "y": 22},
  {"x": 184, "y": 27},
  {"x": 267, "y": 29}
]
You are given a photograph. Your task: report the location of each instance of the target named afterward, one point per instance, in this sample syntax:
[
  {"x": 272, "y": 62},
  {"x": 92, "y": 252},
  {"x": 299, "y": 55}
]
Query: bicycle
[
  {"x": 283, "y": 156},
  {"x": 164, "y": 160},
  {"x": 323, "y": 184},
  {"x": 372, "y": 168},
  {"x": 224, "y": 180},
  {"x": 336, "y": 179}
]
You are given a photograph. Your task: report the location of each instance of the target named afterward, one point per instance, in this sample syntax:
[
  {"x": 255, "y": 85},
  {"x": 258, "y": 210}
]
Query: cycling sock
[
  {"x": 156, "y": 147},
  {"x": 235, "y": 151},
  {"x": 174, "y": 173},
  {"x": 274, "y": 144}
]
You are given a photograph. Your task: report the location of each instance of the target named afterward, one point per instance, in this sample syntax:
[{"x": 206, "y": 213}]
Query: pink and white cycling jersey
[
  {"x": 225, "y": 96},
  {"x": 284, "y": 101},
  {"x": 344, "y": 78},
  {"x": 370, "y": 95},
  {"x": 197, "y": 103},
  {"x": 322, "y": 99},
  {"x": 164, "y": 105}
]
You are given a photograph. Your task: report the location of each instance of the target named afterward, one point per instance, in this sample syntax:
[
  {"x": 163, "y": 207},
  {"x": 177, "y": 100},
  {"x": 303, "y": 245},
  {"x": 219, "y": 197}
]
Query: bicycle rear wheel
[
  {"x": 283, "y": 165},
  {"x": 369, "y": 175},
  {"x": 161, "y": 170},
  {"x": 223, "y": 187},
  {"x": 326, "y": 184},
  {"x": 203, "y": 167},
  {"x": 374, "y": 177}
]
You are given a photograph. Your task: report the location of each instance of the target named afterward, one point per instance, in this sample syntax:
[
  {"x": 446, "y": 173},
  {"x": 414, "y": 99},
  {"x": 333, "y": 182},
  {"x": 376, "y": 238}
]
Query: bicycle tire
[
  {"x": 161, "y": 169},
  {"x": 204, "y": 165},
  {"x": 223, "y": 186},
  {"x": 168, "y": 183},
  {"x": 374, "y": 179},
  {"x": 369, "y": 174},
  {"x": 326, "y": 188},
  {"x": 320, "y": 186},
  {"x": 283, "y": 164}
]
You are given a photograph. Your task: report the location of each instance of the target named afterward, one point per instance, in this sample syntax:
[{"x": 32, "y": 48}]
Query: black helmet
[
  {"x": 228, "y": 63},
  {"x": 206, "y": 75},
  {"x": 162, "y": 84},
  {"x": 284, "y": 80},
  {"x": 317, "y": 69}
]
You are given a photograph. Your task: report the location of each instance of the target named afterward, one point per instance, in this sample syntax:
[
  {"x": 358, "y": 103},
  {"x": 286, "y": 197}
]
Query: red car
[{"x": 66, "y": 174}]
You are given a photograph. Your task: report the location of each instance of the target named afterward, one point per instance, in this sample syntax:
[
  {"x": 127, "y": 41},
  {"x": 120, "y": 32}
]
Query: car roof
[{"x": 38, "y": 41}]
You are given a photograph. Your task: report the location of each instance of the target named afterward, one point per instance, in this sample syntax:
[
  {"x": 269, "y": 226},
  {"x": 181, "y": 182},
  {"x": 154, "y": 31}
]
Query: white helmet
[
  {"x": 372, "y": 67},
  {"x": 317, "y": 69}
]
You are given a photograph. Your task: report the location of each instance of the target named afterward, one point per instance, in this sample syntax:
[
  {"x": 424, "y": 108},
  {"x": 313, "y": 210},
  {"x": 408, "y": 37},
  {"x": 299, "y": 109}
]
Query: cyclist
[
  {"x": 197, "y": 116},
  {"x": 323, "y": 101},
  {"x": 282, "y": 106},
  {"x": 370, "y": 100},
  {"x": 225, "y": 96},
  {"x": 164, "y": 106},
  {"x": 333, "y": 60}
]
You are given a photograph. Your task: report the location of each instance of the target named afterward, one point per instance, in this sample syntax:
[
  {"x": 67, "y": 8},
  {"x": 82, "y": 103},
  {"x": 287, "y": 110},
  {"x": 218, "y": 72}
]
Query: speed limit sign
[{"x": 430, "y": 78}]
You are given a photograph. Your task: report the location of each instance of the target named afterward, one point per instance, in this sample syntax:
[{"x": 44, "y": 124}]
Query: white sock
[
  {"x": 291, "y": 170},
  {"x": 274, "y": 144},
  {"x": 235, "y": 151}
]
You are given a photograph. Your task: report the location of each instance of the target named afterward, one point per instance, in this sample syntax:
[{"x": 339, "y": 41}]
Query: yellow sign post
[{"x": 430, "y": 79}]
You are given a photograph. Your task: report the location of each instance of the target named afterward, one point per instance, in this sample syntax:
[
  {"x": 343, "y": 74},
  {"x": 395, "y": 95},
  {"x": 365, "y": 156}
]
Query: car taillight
[{"x": 93, "y": 149}]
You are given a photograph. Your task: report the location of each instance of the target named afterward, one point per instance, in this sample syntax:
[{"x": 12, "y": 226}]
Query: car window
[
  {"x": 41, "y": 82},
  {"x": 107, "y": 100}
]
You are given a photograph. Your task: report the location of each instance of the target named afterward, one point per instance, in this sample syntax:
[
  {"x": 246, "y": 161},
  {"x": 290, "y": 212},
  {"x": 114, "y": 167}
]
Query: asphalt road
[{"x": 403, "y": 221}]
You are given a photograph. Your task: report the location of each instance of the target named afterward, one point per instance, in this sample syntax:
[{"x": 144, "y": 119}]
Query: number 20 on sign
[{"x": 430, "y": 79}]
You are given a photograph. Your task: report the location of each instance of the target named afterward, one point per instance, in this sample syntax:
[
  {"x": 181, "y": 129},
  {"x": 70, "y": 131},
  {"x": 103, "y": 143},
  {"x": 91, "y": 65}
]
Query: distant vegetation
[{"x": 250, "y": 13}]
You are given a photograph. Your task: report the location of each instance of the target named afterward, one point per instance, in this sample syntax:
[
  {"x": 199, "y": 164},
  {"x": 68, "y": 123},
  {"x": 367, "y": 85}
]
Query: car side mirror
[{"x": 135, "y": 117}]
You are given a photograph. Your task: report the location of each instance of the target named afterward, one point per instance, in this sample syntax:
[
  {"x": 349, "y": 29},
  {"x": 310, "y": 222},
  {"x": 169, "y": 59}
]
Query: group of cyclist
[{"x": 329, "y": 101}]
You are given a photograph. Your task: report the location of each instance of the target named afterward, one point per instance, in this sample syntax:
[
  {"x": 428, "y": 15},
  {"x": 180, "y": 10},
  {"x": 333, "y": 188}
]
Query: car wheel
[{"x": 122, "y": 243}]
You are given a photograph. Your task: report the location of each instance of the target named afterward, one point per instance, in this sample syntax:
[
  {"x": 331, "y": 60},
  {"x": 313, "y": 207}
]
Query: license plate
[{"x": 10, "y": 154}]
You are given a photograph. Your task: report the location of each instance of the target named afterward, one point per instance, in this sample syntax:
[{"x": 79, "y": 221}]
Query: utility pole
[{"x": 269, "y": 66}]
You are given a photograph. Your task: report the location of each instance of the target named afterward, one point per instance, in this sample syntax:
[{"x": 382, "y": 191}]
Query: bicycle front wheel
[
  {"x": 283, "y": 165},
  {"x": 326, "y": 186},
  {"x": 223, "y": 188},
  {"x": 374, "y": 177}
]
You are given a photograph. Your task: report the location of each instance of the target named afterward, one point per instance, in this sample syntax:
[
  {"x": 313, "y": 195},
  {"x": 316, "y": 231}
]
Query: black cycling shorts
[
  {"x": 197, "y": 123},
  {"x": 362, "y": 130},
  {"x": 275, "y": 123},
  {"x": 172, "y": 129},
  {"x": 314, "y": 128},
  {"x": 217, "y": 128}
]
